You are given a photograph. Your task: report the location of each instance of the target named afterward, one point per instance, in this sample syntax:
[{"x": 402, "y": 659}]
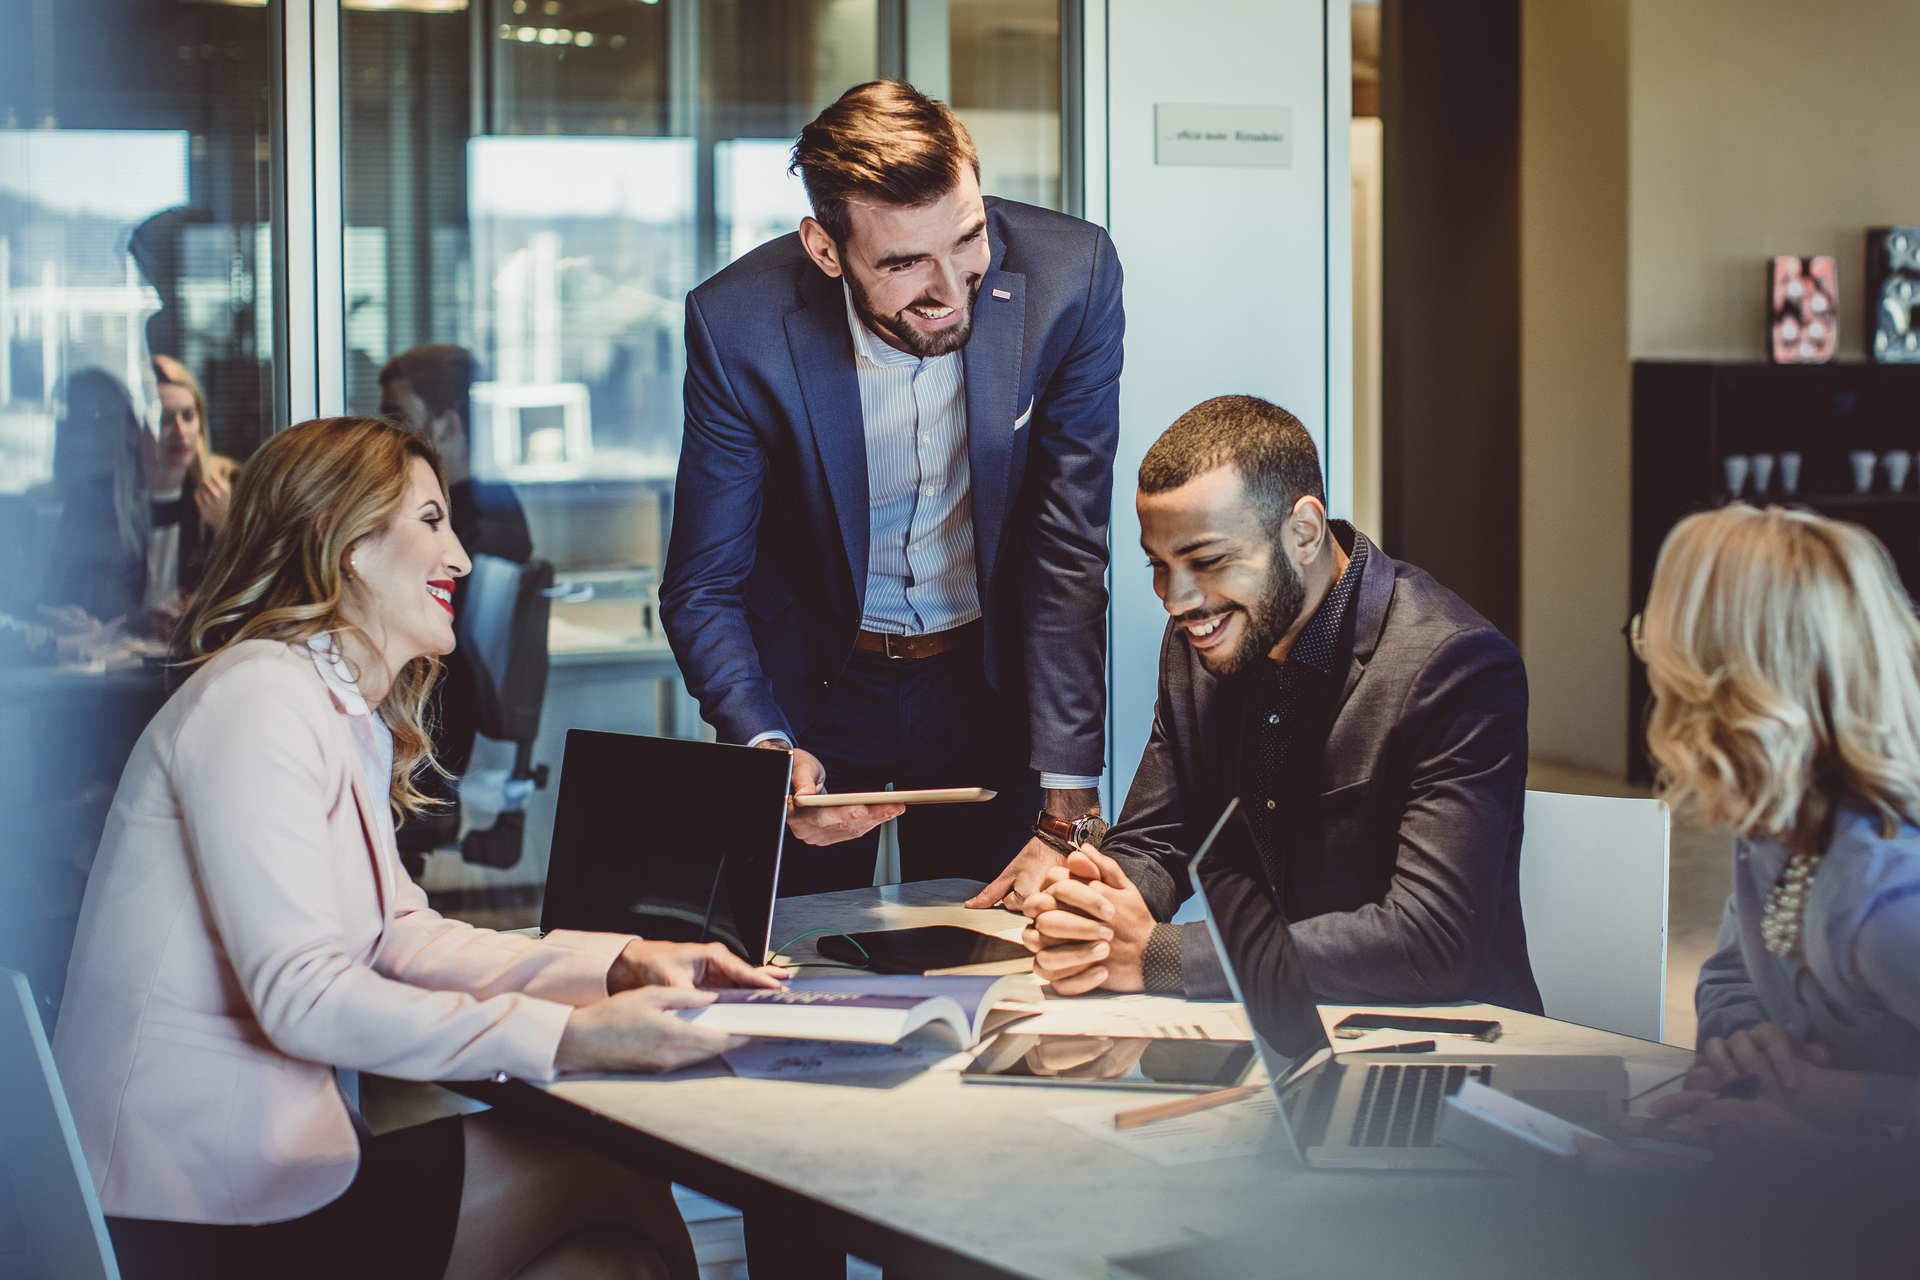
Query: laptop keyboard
[{"x": 1400, "y": 1104}]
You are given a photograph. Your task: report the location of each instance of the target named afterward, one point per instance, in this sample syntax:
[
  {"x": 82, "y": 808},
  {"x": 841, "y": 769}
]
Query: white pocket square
[{"x": 1021, "y": 421}]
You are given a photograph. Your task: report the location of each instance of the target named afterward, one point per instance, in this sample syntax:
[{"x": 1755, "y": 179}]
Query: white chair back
[
  {"x": 50, "y": 1221},
  {"x": 1593, "y": 890}
]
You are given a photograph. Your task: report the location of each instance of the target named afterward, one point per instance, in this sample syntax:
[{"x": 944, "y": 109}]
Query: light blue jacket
[{"x": 1853, "y": 984}]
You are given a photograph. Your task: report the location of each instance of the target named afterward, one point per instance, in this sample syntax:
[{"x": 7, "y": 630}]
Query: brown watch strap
[{"x": 1057, "y": 832}]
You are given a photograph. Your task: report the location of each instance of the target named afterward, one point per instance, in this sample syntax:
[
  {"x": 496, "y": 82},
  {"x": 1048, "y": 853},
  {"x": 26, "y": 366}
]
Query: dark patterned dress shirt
[{"x": 1279, "y": 697}]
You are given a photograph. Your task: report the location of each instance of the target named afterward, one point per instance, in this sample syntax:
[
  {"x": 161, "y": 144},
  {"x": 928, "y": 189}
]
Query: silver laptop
[{"x": 1382, "y": 1111}]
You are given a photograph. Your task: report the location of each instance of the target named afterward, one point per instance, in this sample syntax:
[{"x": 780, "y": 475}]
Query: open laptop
[
  {"x": 668, "y": 839},
  {"x": 1368, "y": 1111}
]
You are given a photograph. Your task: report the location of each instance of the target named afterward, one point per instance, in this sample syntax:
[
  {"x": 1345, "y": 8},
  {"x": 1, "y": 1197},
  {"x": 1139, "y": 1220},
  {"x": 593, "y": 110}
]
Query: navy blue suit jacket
[{"x": 767, "y": 570}]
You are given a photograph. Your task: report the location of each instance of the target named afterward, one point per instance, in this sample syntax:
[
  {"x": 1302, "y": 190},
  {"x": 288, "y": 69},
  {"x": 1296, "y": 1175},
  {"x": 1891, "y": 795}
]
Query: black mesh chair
[{"x": 503, "y": 631}]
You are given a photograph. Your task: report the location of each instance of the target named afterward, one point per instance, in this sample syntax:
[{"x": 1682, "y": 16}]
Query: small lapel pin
[{"x": 1001, "y": 293}]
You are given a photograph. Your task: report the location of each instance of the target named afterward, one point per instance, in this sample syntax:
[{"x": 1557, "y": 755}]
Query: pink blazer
[{"x": 248, "y": 927}]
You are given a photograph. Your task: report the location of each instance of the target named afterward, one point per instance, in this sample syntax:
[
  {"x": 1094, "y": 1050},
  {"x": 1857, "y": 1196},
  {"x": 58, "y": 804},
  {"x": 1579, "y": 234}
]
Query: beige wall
[
  {"x": 1669, "y": 147},
  {"x": 1574, "y": 377},
  {"x": 1762, "y": 127}
]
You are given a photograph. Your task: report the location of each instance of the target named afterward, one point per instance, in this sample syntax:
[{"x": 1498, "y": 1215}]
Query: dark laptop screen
[
  {"x": 667, "y": 839},
  {"x": 1263, "y": 971}
]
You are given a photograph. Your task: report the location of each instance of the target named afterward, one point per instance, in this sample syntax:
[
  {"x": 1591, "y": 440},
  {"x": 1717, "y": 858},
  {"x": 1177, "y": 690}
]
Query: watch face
[{"x": 1090, "y": 830}]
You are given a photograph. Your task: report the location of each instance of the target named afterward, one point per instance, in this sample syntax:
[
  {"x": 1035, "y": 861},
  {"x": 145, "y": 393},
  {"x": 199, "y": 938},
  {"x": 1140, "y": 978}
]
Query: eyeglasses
[{"x": 1636, "y": 641}]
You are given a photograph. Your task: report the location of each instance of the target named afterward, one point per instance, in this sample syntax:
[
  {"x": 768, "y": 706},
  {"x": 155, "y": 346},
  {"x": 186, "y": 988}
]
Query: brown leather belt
[{"x": 909, "y": 646}]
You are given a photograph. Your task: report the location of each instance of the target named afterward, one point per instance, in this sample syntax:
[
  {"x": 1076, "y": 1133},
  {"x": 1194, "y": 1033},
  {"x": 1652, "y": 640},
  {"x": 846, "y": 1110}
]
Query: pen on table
[
  {"x": 1746, "y": 1086},
  {"x": 1137, "y": 1116},
  {"x": 1410, "y": 1046}
]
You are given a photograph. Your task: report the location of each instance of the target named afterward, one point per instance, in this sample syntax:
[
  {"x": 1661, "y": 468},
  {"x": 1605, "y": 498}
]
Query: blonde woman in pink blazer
[{"x": 248, "y": 928}]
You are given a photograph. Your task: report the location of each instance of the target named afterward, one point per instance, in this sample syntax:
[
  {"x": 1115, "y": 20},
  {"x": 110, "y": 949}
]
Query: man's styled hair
[
  {"x": 883, "y": 140},
  {"x": 442, "y": 375},
  {"x": 1263, "y": 442}
]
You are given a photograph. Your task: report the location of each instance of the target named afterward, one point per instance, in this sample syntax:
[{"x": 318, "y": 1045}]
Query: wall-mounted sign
[{"x": 1259, "y": 137}]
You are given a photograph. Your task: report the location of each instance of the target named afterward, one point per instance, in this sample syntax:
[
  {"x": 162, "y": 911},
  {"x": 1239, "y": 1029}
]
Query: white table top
[{"x": 950, "y": 1179}]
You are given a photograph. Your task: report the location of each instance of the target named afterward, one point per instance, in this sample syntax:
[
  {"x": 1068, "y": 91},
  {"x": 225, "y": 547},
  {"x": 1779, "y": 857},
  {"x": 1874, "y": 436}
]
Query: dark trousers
[{"x": 921, "y": 722}]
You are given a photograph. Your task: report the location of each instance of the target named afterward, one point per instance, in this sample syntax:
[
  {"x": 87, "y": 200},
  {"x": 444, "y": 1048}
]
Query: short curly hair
[{"x": 1268, "y": 446}]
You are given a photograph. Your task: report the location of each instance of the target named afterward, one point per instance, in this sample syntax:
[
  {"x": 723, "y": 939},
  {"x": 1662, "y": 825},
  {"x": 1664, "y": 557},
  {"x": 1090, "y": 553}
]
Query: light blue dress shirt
[
  {"x": 921, "y": 575},
  {"x": 1853, "y": 983}
]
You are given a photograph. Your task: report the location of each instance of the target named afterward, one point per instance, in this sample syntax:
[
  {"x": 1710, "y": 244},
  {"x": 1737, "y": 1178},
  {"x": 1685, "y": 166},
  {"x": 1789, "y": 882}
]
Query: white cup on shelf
[
  {"x": 1789, "y": 473},
  {"x": 1897, "y": 463},
  {"x": 1762, "y": 473},
  {"x": 1863, "y": 462},
  {"x": 1737, "y": 465}
]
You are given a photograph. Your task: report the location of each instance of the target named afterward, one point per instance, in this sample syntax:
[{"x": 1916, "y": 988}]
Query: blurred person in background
[
  {"x": 96, "y": 575},
  {"x": 247, "y": 930},
  {"x": 139, "y": 514},
  {"x": 429, "y": 391},
  {"x": 1784, "y": 658}
]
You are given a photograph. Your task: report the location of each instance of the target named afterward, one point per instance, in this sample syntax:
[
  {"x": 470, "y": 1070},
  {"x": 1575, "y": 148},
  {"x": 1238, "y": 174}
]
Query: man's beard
[
  {"x": 1268, "y": 621},
  {"x": 924, "y": 345}
]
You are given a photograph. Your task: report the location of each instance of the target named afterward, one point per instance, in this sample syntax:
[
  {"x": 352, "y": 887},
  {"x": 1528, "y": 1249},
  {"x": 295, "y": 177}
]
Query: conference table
[{"x": 931, "y": 1177}]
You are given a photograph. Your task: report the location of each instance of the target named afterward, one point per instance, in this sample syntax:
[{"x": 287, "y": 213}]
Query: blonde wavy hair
[
  {"x": 305, "y": 500},
  {"x": 1785, "y": 662}
]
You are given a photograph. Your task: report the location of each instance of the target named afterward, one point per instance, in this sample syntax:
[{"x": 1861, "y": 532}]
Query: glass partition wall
[
  {"x": 137, "y": 163},
  {"x": 537, "y": 182}
]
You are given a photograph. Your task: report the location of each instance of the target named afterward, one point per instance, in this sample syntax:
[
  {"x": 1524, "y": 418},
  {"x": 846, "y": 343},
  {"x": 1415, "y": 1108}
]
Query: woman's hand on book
[
  {"x": 640, "y": 1031},
  {"x": 683, "y": 964}
]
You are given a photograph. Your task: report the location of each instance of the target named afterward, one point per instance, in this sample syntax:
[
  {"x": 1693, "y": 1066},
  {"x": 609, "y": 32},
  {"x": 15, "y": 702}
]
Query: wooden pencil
[{"x": 1137, "y": 1116}]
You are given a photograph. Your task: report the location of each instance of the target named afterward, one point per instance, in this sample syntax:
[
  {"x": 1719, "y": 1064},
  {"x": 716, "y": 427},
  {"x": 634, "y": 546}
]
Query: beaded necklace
[{"x": 1786, "y": 904}]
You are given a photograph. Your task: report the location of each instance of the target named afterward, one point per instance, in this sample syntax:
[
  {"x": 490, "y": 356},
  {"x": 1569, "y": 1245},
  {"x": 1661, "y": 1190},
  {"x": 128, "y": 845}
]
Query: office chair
[
  {"x": 50, "y": 1220},
  {"x": 1593, "y": 891},
  {"x": 503, "y": 629}
]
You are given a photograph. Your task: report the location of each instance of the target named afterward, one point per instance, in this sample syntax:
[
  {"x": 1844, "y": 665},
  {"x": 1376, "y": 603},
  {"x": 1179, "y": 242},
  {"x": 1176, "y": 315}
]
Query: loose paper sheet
[{"x": 1244, "y": 1128}]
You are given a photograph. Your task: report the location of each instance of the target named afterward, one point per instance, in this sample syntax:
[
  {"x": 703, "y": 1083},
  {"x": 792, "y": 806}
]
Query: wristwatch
[{"x": 1065, "y": 835}]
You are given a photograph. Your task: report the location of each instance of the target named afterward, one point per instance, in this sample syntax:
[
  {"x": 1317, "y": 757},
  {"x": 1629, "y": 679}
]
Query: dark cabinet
[{"x": 1689, "y": 418}]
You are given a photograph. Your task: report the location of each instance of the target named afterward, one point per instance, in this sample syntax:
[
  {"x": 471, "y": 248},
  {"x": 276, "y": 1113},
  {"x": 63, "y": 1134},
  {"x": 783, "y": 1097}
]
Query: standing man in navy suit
[{"x": 889, "y": 546}]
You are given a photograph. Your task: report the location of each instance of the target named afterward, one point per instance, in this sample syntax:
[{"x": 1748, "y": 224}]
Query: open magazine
[{"x": 874, "y": 1009}]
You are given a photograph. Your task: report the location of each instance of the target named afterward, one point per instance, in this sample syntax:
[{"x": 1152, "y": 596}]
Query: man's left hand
[
  {"x": 1030, "y": 866},
  {"x": 683, "y": 964},
  {"x": 1022, "y": 877}
]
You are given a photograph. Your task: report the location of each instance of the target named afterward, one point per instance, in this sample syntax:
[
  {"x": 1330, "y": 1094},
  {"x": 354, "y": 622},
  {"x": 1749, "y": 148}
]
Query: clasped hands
[
  {"x": 638, "y": 1027},
  {"x": 1089, "y": 926}
]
